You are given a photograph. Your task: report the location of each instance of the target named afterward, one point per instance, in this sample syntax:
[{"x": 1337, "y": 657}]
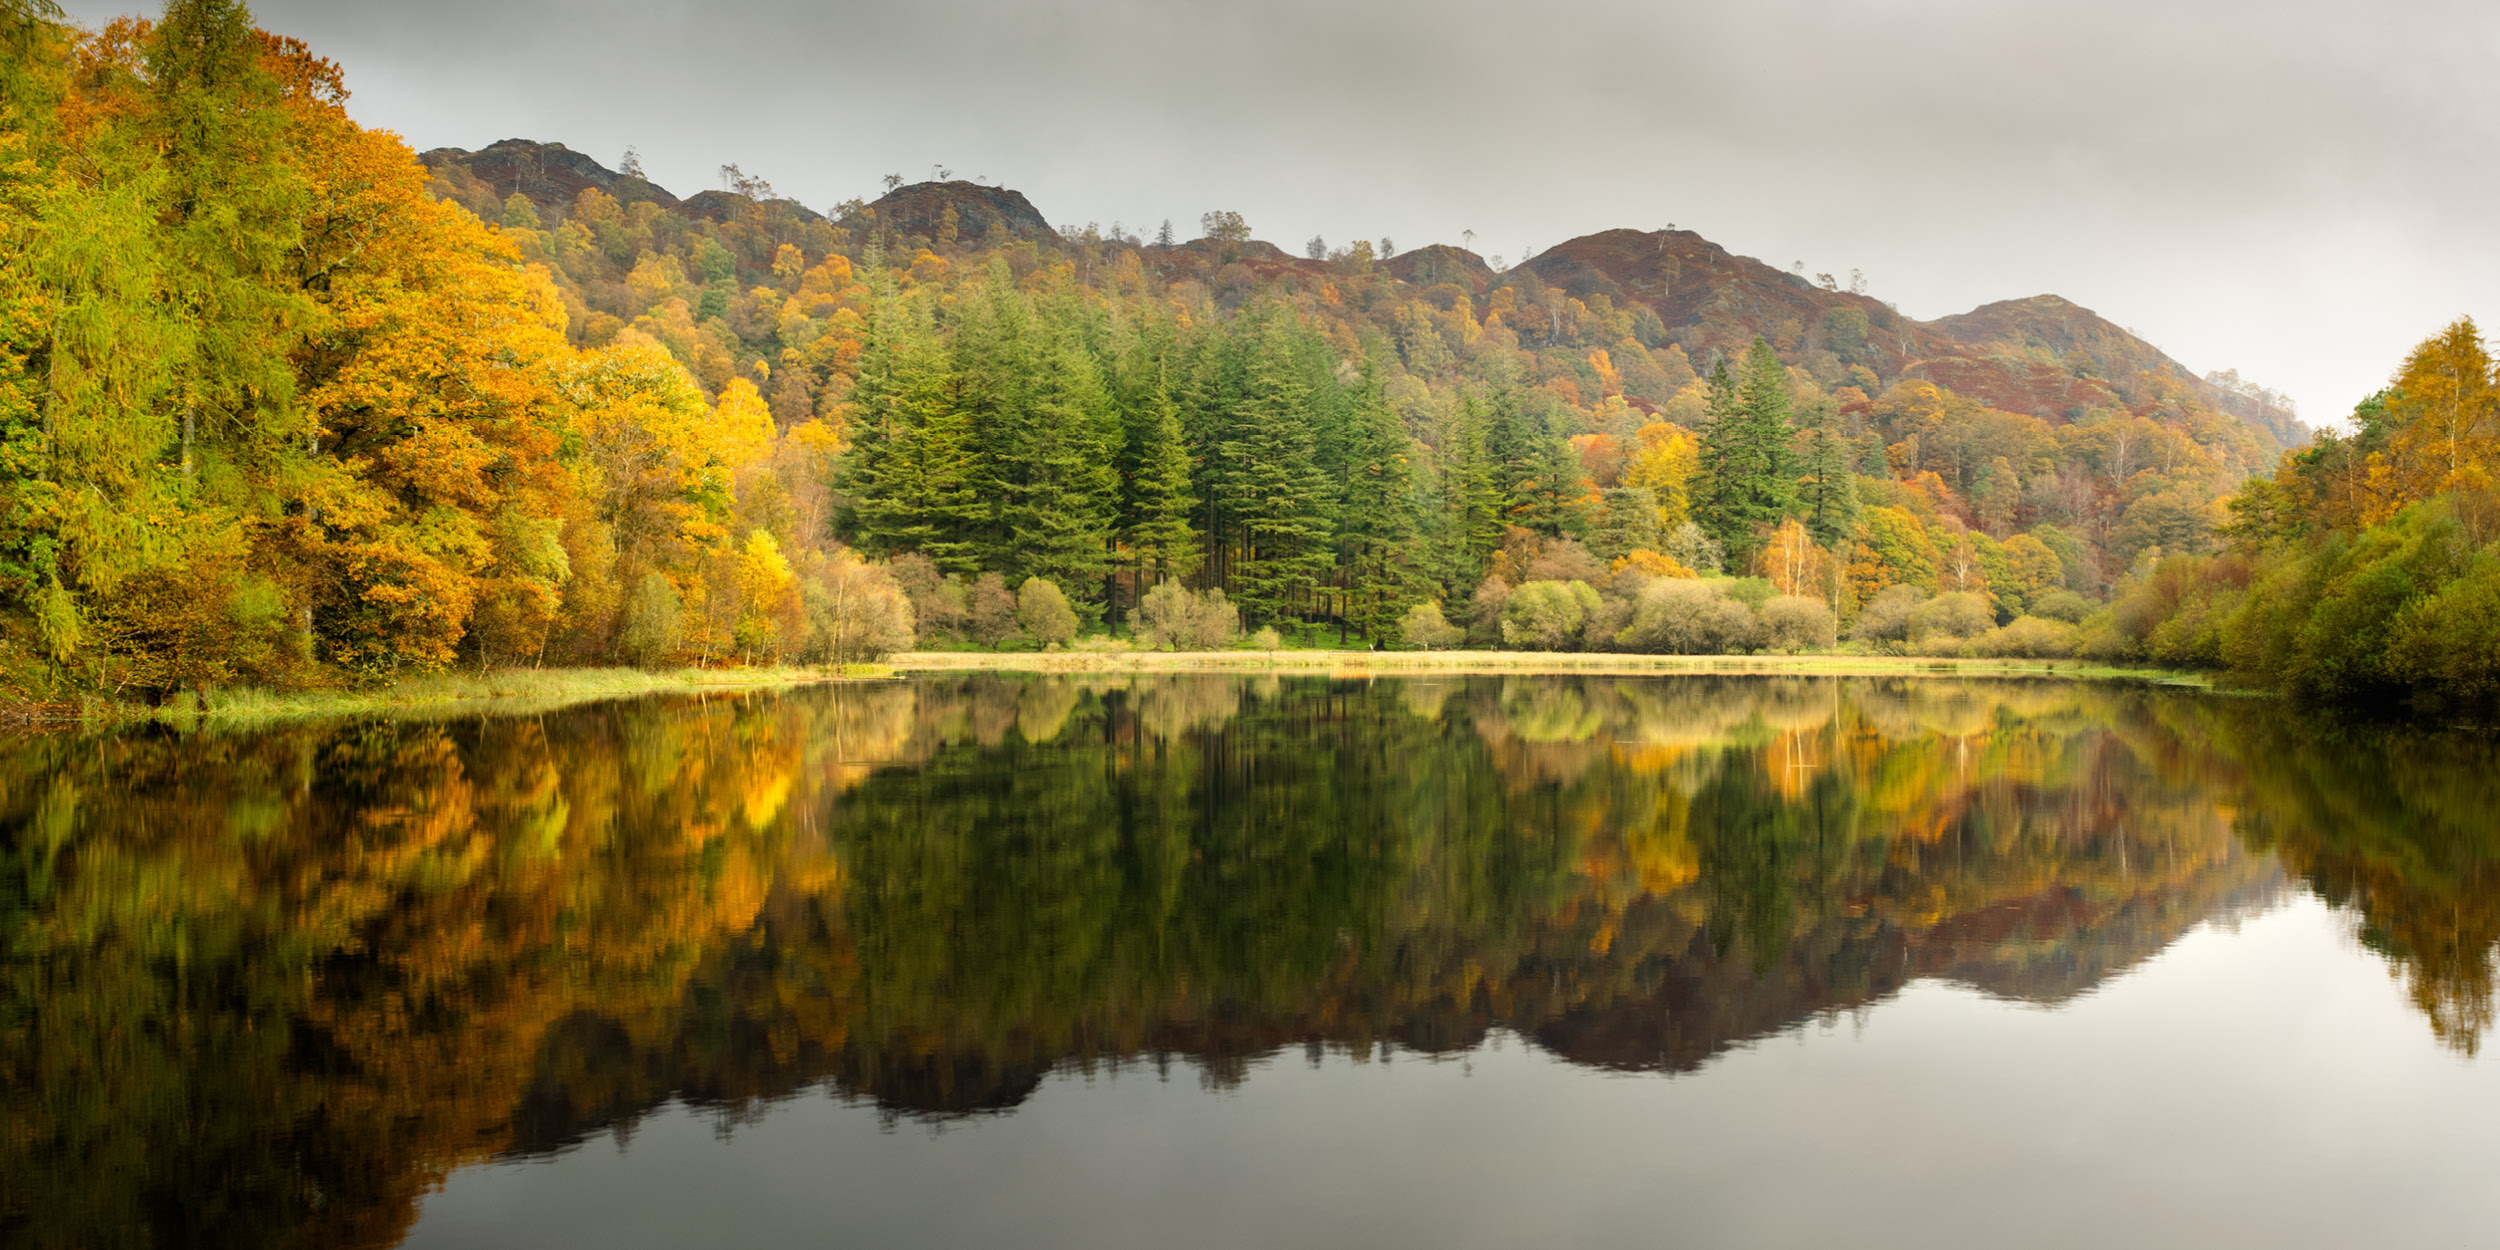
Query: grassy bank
[
  {"x": 500, "y": 690},
  {"x": 1394, "y": 663}
]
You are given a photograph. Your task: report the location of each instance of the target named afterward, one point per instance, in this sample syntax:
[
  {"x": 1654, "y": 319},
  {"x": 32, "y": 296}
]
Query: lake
[{"x": 1206, "y": 960}]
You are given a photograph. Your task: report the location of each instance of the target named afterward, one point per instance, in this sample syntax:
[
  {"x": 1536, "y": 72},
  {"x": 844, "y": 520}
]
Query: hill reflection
[{"x": 264, "y": 988}]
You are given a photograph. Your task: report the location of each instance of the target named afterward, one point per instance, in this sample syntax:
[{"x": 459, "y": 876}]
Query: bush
[
  {"x": 856, "y": 612},
  {"x": 1753, "y": 592},
  {"x": 1484, "y": 619},
  {"x": 2029, "y": 638},
  {"x": 2062, "y": 605},
  {"x": 938, "y": 602},
  {"x": 1267, "y": 639},
  {"x": 1043, "y": 613},
  {"x": 1885, "y": 620},
  {"x": 1673, "y": 616},
  {"x": 1424, "y": 629},
  {"x": 1216, "y": 623},
  {"x": 1547, "y": 616},
  {"x": 1946, "y": 620},
  {"x": 1164, "y": 615},
  {"x": 2449, "y": 641},
  {"x": 1793, "y": 623},
  {"x": 990, "y": 611},
  {"x": 1171, "y": 617}
]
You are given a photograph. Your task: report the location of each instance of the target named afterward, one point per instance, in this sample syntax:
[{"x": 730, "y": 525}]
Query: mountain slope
[{"x": 2044, "y": 356}]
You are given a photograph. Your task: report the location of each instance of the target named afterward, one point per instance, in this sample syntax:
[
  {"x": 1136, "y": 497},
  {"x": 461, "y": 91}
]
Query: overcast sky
[{"x": 2296, "y": 189}]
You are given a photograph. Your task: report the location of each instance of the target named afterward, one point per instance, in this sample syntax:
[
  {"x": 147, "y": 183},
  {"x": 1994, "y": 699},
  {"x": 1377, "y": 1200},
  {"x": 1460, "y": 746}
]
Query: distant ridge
[{"x": 2043, "y": 356}]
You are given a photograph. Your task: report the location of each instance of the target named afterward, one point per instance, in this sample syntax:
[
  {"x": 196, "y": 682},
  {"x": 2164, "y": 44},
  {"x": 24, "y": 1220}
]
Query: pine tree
[
  {"x": 996, "y": 353},
  {"x": 1471, "y": 503},
  {"x": 1156, "y": 539},
  {"x": 1277, "y": 492},
  {"x": 1059, "y": 490},
  {"x": 1827, "y": 488},
  {"x": 1377, "y": 524},
  {"x": 908, "y": 478},
  {"x": 1749, "y": 461}
]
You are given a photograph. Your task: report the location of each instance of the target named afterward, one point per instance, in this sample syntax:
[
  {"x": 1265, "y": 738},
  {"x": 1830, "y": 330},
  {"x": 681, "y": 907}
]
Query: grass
[
  {"x": 504, "y": 690},
  {"x": 1397, "y": 662}
]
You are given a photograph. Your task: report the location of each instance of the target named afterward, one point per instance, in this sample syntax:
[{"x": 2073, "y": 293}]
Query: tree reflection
[{"x": 265, "y": 987}]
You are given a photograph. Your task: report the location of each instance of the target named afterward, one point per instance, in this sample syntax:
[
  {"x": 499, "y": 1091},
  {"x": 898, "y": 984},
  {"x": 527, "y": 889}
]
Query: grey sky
[{"x": 2294, "y": 188}]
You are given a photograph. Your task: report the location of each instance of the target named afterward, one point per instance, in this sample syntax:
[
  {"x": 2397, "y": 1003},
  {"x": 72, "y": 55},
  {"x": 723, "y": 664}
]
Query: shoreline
[
  {"x": 1522, "y": 663},
  {"x": 507, "y": 690}
]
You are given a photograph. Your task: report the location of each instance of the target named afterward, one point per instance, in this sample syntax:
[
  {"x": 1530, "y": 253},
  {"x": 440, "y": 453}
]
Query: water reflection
[{"x": 264, "y": 988}]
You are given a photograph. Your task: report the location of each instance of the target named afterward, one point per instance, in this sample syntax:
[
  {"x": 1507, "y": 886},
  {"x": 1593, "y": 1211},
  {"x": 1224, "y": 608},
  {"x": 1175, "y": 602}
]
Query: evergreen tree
[
  {"x": 1630, "y": 523},
  {"x": 1470, "y": 514},
  {"x": 1827, "y": 488},
  {"x": 1749, "y": 461},
  {"x": 1157, "y": 540},
  {"x": 996, "y": 354},
  {"x": 1059, "y": 490},
  {"x": 908, "y": 478},
  {"x": 1376, "y": 520},
  {"x": 1277, "y": 493}
]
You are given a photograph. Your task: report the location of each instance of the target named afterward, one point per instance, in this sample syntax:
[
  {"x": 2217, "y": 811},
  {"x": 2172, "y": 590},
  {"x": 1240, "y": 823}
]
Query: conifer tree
[
  {"x": 1377, "y": 524},
  {"x": 908, "y": 479},
  {"x": 1277, "y": 493},
  {"x": 1470, "y": 513},
  {"x": 1827, "y": 488},
  {"x": 1749, "y": 463},
  {"x": 1156, "y": 502},
  {"x": 1058, "y": 487}
]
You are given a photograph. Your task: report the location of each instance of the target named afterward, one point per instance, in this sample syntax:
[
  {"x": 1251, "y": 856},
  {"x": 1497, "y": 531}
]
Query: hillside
[
  {"x": 589, "y": 420},
  {"x": 2043, "y": 356}
]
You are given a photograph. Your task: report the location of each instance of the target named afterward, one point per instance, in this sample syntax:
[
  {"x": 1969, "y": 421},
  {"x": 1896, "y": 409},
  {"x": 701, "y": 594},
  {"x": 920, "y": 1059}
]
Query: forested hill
[
  {"x": 283, "y": 403},
  {"x": 2043, "y": 356}
]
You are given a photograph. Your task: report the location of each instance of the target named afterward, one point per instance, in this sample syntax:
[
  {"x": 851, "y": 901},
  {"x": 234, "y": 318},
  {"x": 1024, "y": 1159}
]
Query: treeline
[
  {"x": 272, "y": 413},
  {"x": 2366, "y": 569},
  {"x": 1338, "y": 438},
  {"x": 280, "y": 406}
]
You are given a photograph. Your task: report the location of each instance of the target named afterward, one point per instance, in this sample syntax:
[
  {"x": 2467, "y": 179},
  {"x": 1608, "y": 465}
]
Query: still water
[{"x": 1211, "y": 961}]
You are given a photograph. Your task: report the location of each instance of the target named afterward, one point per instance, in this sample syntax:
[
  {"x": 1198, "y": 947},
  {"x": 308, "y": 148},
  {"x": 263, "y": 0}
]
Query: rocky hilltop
[{"x": 2043, "y": 356}]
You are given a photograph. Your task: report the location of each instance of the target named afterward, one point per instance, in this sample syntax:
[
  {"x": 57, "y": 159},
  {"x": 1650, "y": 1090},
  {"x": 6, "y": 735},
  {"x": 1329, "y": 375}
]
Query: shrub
[
  {"x": 1944, "y": 621},
  {"x": 1753, "y": 592},
  {"x": 1043, "y": 612},
  {"x": 1165, "y": 614},
  {"x": 1673, "y": 616},
  {"x": 1214, "y": 623},
  {"x": 1563, "y": 560},
  {"x": 1424, "y": 629},
  {"x": 2449, "y": 641},
  {"x": 2028, "y": 637},
  {"x": 2062, "y": 605},
  {"x": 1267, "y": 639},
  {"x": 1885, "y": 620},
  {"x": 855, "y": 612},
  {"x": 1793, "y": 623},
  {"x": 991, "y": 611},
  {"x": 1484, "y": 621},
  {"x": 1547, "y": 616}
]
